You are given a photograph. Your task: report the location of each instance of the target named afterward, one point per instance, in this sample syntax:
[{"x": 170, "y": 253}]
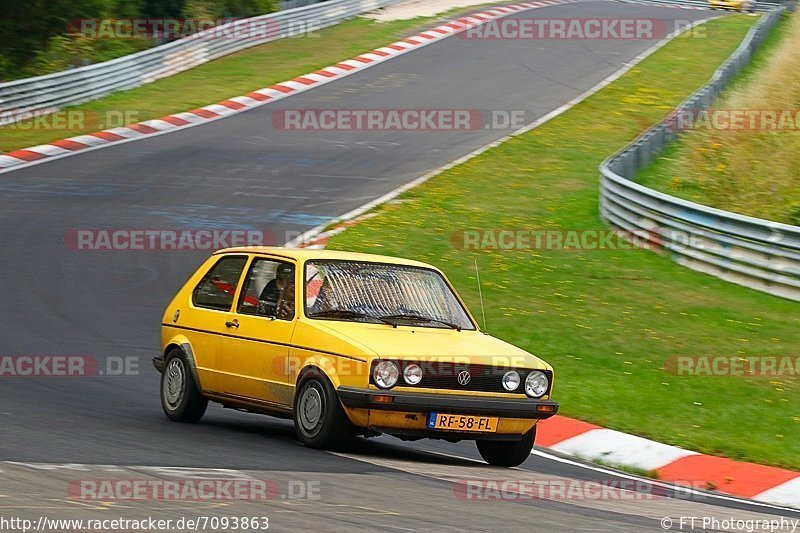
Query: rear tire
[
  {"x": 507, "y": 453},
  {"x": 181, "y": 399},
  {"x": 319, "y": 419}
]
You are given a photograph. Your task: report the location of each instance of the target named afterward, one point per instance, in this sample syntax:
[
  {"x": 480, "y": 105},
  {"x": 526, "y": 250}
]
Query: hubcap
[
  {"x": 311, "y": 410},
  {"x": 174, "y": 379}
]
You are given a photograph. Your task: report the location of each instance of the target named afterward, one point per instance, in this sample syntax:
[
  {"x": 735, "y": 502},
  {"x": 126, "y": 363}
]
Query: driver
[{"x": 277, "y": 298}]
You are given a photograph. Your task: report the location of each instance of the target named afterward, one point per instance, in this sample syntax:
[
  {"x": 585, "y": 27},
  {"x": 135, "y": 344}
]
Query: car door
[
  {"x": 204, "y": 320},
  {"x": 254, "y": 355}
]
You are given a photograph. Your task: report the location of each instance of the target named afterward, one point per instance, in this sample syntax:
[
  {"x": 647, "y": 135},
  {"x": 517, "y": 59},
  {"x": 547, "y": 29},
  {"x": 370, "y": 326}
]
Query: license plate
[{"x": 487, "y": 424}]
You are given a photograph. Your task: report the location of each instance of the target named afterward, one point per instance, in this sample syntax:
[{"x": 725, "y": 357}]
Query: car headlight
[
  {"x": 412, "y": 374},
  {"x": 536, "y": 384},
  {"x": 511, "y": 380},
  {"x": 385, "y": 374}
]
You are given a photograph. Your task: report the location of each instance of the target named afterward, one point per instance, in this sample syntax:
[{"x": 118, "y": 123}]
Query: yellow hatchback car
[
  {"x": 733, "y": 5},
  {"x": 347, "y": 344}
]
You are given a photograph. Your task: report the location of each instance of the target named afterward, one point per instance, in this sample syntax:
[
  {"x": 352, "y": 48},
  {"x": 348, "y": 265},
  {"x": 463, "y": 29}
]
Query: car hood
[{"x": 432, "y": 344}]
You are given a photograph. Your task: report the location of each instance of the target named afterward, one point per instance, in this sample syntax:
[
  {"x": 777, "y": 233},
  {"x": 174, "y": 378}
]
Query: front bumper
[{"x": 526, "y": 408}]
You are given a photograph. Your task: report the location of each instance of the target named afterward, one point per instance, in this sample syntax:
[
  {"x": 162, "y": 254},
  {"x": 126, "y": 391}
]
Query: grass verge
[
  {"x": 608, "y": 320},
  {"x": 754, "y": 172},
  {"x": 232, "y": 75}
]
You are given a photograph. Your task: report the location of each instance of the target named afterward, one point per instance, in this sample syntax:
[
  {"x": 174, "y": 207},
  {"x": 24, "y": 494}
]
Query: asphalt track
[{"x": 242, "y": 173}]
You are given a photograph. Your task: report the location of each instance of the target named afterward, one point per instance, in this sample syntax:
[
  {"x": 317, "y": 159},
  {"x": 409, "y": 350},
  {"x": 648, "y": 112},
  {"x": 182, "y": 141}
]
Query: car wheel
[
  {"x": 181, "y": 400},
  {"x": 507, "y": 453},
  {"x": 319, "y": 419}
]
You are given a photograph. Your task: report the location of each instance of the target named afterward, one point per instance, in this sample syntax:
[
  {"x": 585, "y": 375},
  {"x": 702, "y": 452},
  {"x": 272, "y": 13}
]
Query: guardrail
[
  {"x": 756, "y": 253},
  {"x": 48, "y": 93},
  {"x": 291, "y": 4}
]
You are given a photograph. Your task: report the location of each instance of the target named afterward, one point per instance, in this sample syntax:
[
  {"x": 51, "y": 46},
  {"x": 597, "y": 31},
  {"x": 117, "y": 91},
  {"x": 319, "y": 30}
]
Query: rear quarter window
[{"x": 218, "y": 287}]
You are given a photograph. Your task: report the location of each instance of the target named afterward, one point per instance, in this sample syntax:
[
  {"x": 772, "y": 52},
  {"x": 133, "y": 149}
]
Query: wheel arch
[
  {"x": 182, "y": 343},
  {"x": 312, "y": 369}
]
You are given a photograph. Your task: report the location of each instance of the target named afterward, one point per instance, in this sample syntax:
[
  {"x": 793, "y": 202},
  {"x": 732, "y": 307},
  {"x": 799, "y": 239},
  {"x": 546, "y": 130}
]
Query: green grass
[
  {"x": 750, "y": 172},
  {"x": 607, "y": 320},
  {"x": 233, "y": 75}
]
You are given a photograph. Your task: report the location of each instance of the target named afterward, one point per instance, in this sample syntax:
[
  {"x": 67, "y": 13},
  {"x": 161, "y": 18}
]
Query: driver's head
[{"x": 284, "y": 274}]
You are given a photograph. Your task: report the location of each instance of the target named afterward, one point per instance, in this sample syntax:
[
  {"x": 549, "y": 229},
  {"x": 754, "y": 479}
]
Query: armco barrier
[
  {"x": 756, "y": 253},
  {"x": 48, "y": 93}
]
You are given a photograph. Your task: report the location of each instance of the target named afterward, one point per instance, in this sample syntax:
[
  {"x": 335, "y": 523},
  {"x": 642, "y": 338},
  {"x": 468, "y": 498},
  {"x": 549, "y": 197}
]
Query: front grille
[{"x": 483, "y": 378}]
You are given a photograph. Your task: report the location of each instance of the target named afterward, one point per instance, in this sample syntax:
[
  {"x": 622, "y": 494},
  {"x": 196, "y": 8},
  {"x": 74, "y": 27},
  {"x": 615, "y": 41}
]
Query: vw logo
[{"x": 463, "y": 378}]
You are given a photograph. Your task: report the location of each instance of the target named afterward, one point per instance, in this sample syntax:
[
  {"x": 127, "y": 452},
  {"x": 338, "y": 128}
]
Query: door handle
[{"x": 234, "y": 324}]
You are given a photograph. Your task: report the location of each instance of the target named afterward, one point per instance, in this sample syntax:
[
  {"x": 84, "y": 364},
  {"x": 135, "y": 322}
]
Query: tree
[{"x": 34, "y": 34}]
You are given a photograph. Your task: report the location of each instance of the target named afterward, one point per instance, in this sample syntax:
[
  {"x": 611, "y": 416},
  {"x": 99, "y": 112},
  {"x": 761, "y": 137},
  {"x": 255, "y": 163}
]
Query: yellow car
[
  {"x": 733, "y": 5},
  {"x": 347, "y": 344}
]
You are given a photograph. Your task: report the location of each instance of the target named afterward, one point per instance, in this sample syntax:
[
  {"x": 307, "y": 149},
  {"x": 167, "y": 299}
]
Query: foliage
[{"x": 35, "y": 37}]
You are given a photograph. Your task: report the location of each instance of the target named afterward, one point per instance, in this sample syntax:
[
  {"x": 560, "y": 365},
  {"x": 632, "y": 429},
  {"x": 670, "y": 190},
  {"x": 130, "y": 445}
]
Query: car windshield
[{"x": 376, "y": 292}]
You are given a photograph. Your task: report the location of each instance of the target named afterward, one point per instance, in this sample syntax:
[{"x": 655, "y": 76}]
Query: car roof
[{"x": 309, "y": 254}]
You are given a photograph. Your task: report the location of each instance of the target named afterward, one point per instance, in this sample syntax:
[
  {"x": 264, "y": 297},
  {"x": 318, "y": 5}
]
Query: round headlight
[
  {"x": 536, "y": 384},
  {"x": 412, "y": 374},
  {"x": 511, "y": 380},
  {"x": 385, "y": 374}
]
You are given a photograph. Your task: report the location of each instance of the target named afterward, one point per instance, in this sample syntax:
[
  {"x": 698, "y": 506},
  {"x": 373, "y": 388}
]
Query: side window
[
  {"x": 269, "y": 290},
  {"x": 218, "y": 287}
]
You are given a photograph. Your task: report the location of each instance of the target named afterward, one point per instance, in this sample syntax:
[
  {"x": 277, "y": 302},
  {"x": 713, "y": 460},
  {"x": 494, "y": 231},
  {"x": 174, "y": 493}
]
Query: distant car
[
  {"x": 347, "y": 344},
  {"x": 733, "y": 5}
]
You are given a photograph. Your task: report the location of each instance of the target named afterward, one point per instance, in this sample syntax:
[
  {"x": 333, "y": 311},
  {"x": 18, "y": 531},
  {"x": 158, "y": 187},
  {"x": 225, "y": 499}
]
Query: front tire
[
  {"x": 181, "y": 399},
  {"x": 319, "y": 419},
  {"x": 507, "y": 453}
]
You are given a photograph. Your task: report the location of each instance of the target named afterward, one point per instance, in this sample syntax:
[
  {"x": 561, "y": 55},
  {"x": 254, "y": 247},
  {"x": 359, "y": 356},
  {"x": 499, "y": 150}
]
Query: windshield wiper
[
  {"x": 389, "y": 319},
  {"x": 344, "y": 313},
  {"x": 408, "y": 316}
]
